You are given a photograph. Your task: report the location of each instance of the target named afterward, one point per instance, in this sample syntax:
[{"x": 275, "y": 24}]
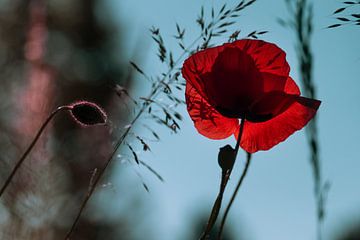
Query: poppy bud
[
  {"x": 87, "y": 113},
  {"x": 226, "y": 157}
]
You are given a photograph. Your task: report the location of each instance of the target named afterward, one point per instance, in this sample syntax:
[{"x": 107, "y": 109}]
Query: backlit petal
[
  {"x": 268, "y": 57},
  {"x": 197, "y": 65},
  {"x": 265, "y": 135},
  {"x": 291, "y": 87},
  {"x": 273, "y": 82},
  {"x": 234, "y": 82},
  {"x": 207, "y": 120},
  {"x": 270, "y": 105}
]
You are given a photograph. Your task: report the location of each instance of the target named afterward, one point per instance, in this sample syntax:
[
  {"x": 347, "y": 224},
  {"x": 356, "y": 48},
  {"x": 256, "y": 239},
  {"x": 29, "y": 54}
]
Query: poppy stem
[
  {"x": 239, "y": 137},
  {"x": 224, "y": 180},
  {"x": 216, "y": 207},
  {"x": 30, "y": 147},
  {"x": 248, "y": 159}
]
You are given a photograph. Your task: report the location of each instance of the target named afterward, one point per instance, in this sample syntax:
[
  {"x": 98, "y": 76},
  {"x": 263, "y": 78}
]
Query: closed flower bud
[
  {"x": 226, "y": 157},
  {"x": 87, "y": 113}
]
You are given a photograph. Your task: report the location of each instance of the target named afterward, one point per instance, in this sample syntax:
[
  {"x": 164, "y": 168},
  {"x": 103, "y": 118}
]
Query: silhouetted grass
[
  {"x": 301, "y": 23},
  {"x": 165, "y": 84},
  {"x": 347, "y": 14}
]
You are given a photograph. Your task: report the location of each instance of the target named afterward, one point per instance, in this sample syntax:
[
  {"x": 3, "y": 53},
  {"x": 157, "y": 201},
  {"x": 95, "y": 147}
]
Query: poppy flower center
[{"x": 234, "y": 83}]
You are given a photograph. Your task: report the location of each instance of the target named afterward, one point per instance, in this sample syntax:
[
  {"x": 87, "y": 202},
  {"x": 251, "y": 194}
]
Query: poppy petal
[
  {"x": 270, "y": 105},
  {"x": 207, "y": 120},
  {"x": 234, "y": 82},
  {"x": 273, "y": 82},
  {"x": 268, "y": 57},
  {"x": 265, "y": 135},
  {"x": 291, "y": 87},
  {"x": 198, "y": 65}
]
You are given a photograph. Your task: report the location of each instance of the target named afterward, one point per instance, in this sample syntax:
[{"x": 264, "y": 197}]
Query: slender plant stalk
[
  {"x": 101, "y": 172},
  {"x": 224, "y": 180},
  {"x": 248, "y": 159},
  {"x": 92, "y": 187},
  {"x": 301, "y": 22},
  {"x": 155, "y": 91},
  {"x": 303, "y": 29},
  {"x": 30, "y": 147}
]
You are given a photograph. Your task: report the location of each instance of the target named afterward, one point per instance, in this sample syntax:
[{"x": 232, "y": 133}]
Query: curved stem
[
  {"x": 248, "y": 159},
  {"x": 152, "y": 95},
  {"x": 32, "y": 144},
  {"x": 224, "y": 180},
  {"x": 92, "y": 187}
]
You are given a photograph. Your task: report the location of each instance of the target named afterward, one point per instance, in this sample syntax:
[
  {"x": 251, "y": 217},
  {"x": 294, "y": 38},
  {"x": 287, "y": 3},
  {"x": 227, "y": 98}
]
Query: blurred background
[{"x": 58, "y": 51}]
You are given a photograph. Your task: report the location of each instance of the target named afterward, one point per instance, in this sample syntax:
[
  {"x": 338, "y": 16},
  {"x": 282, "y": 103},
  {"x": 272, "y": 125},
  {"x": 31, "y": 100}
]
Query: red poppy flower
[{"x": 246, "y": 79}]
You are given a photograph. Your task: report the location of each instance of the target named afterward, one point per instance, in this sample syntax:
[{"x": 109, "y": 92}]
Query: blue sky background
[{"x": 276, "y": 200}]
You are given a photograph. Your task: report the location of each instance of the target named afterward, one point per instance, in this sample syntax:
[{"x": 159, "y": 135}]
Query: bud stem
[{"x": 32, "y": 144}]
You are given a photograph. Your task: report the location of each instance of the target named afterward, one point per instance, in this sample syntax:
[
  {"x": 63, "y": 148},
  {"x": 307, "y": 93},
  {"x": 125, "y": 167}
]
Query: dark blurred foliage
[
  {"x": 351, "y": 232},
  {"x": 352, "y": 235},
  {"x": 53, "y": 53},
  {"x": 228, "y": 234}
]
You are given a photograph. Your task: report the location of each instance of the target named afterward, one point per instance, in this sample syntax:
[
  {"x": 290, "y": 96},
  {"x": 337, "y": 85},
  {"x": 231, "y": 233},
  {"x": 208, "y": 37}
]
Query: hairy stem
[
  {"x": 143, "y": 109},
  {"x": 96, "y": 180},
  {"x": 30, "y": 147}
]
